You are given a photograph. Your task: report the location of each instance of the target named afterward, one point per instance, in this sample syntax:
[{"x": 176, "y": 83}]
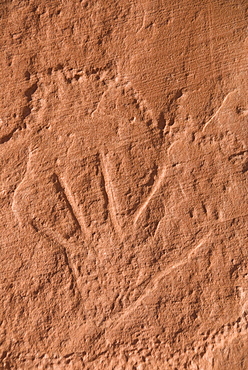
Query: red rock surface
[{"x": 123, "y": 185}]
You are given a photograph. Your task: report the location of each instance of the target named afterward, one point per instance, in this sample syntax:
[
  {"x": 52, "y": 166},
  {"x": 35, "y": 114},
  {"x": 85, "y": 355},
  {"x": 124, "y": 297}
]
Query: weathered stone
[{"x": 123, "y": 189}]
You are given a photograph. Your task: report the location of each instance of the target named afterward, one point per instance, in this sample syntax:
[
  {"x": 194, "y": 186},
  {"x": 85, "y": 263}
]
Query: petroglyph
[{"x": 123, "y": 185}]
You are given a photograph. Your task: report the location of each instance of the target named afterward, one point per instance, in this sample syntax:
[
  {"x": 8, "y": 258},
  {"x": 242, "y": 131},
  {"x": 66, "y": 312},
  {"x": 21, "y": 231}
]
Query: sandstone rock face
[{"x": 124, "y": 142}]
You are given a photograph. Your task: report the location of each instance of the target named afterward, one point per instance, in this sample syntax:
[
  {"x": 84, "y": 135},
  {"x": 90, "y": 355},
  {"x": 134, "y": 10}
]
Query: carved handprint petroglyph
[
  {"x": 110, "y": 189},
  {"x": 85, "y": 194}
]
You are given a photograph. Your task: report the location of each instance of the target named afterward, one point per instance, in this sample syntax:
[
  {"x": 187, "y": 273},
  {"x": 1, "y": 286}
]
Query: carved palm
[{"x": 115, "y": 189}]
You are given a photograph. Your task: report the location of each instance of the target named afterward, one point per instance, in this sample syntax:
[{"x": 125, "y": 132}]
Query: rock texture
[{"x": 123, "y": 188}]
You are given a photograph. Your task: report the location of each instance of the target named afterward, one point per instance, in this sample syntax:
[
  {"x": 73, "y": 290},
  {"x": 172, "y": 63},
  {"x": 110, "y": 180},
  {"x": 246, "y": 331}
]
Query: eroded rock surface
[{"x": 124, "y": 162}]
